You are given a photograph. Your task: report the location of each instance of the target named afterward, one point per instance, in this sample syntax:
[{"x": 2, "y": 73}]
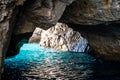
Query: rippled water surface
[{"x": 35, "y": 63}]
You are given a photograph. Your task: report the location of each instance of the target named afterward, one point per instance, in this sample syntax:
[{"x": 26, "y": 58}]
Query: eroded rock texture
[
  {"x": 60, "y": 37},
  {"x": 40, "y": 13},
  {"x": 92, "y": 12},
  {"x": 6, "y": 10}
]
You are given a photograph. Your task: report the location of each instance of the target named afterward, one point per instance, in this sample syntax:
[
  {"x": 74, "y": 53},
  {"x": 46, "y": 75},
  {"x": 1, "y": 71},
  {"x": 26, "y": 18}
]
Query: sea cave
[{"x": 59, "y": 40}]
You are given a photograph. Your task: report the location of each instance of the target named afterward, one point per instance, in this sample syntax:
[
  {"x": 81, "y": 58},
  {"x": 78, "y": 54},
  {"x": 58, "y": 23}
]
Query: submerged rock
[{"x": 60, "y": 37}]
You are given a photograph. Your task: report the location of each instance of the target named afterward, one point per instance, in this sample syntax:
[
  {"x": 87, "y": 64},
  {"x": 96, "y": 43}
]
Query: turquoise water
[{"x": 36, "y": 63}]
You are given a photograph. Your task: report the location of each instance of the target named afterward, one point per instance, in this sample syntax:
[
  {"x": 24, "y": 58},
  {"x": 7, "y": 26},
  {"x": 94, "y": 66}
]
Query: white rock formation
[{"x": 60, "y": 37}]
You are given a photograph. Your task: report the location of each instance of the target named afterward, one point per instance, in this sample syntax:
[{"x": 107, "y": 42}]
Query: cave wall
[
  {"x": 40, "y": 13},
  {"x": 4, "y": 28},
  {"x": 46, "y": 13},
  {"x": 104, "y": 39},
  {"x": 6, "y": 10},
  {"x": 92, "y": 12}
]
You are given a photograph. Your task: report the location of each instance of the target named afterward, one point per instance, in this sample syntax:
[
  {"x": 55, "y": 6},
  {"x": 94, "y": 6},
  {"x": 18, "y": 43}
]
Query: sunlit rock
[
  {"x": 36, "y": 35},
  {"x": 60, "y": 37}
]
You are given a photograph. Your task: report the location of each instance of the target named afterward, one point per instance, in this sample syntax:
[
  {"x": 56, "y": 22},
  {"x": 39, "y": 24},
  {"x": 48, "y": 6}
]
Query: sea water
[{"x": 36, "y": 63}]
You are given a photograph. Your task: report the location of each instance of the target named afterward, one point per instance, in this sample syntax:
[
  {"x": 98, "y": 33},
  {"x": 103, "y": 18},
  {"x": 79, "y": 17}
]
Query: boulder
[{"x": 60, "y": 37}]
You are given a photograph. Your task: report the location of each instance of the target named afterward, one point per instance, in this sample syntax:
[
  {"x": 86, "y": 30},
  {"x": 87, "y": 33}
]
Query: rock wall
[
  {"x": 40, "y": 13},
  {"x": 92, "y": 12},
  {"x": 104, "y": 39},
  {"x": 6, "y": 10},
  {"x": 60, "y": 37}
]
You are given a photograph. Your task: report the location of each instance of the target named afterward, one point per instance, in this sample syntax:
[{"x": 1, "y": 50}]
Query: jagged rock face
[
  {"x": 6, "y": 10},
  {"x": 60, "y": 37},
  {"x": 4, "y": 28},
  {"x": 46, "y": 13},
  {"x": 40, "y": 13},
  {"x": 92, "y": 12}
]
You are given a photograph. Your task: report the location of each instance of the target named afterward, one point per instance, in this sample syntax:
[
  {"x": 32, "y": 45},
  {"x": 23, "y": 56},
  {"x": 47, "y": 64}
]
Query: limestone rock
[
  {"x": 40, "y": 13},
  {"x": 36, "y": 35},
  {"x": 60, "y": 37},
  {"x": 91, "y": 12},
  {"x": 6, "y": 13}
]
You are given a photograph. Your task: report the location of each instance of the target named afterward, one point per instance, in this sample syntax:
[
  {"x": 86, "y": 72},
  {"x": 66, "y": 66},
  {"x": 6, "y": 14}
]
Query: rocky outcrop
[
  {"x": 40, "y": 13},
  {"x": 60, "y": 37},
  {"x": 91, "y": 12}
]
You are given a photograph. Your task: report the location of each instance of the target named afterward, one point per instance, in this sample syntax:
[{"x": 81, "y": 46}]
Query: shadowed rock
[
  {"x": 6, "y": 26},
  {"x": 92, "y": 12},
  {"x": 40, "y": 13},
  {"x": 104, "y": 39}
]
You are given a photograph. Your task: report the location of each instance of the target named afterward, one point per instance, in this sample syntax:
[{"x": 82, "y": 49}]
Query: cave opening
[
  {"x": 25, "y": 61},
  {"x": 16, "y": 43},
  {"x": 17, "y": 39},
  {"x": 19, "y": 35},
  {"x": 85, "y": 30}
]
